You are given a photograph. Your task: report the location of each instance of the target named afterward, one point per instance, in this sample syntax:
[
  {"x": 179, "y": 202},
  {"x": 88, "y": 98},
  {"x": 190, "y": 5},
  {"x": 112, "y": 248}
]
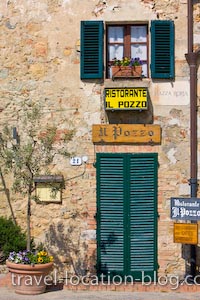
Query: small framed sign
[
  {"x": 48, "y": 188},
  {"x": 186, "y": 233},
  {"x": 185, "y": 208}
]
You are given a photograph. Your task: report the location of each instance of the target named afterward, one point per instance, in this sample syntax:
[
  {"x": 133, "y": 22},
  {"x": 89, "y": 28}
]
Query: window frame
[
  {"x": 127, "y": 42},
  {"x": 161, "y": 64}
]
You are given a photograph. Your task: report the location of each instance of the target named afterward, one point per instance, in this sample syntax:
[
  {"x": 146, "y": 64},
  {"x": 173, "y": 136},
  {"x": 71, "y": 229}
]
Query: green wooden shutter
[
  {"x": 91, "y": 49},
  {"x": 162, "y": 49},
  {"x": 127, "y": 215},
  {"x": 110, "y": 215},
  {"x": 143, "y": 215}
]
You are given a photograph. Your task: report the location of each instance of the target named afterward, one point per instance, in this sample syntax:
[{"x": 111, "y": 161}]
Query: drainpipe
[{"x": 191, "y": 58}]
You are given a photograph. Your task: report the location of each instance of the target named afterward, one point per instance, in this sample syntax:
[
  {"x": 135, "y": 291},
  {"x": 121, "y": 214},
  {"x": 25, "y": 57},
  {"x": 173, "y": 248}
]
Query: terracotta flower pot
[
  {"x": 137, "y": 71},
  {"x": 28, "y": 279},
  {"x": 126, "y": 71}
]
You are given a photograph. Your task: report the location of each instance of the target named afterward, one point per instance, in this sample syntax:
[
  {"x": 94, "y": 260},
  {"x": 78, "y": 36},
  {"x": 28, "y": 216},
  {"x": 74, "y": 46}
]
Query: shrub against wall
[{"x": 11, "y": 238}]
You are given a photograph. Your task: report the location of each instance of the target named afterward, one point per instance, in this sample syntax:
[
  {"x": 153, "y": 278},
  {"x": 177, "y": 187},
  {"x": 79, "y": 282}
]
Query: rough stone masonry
[{"x": 40, "y": 62}]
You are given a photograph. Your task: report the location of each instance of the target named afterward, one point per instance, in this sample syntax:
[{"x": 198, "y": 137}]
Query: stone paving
[{"x": 9, "y": 294}]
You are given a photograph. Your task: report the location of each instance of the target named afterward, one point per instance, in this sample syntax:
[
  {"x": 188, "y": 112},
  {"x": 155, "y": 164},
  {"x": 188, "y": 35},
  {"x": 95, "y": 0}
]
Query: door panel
[
  {"x": 143, "y": 208},
  {"x": 127, "y": 214},
  {"x": 110, "y": 214}
]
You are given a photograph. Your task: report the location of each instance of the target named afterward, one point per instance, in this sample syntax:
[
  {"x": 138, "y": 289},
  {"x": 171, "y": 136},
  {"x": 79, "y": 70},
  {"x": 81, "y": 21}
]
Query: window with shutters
[{"x": 127, "y": 40}]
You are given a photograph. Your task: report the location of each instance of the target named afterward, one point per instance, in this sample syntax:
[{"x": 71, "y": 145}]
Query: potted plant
[
  {"x": 29, "y": 271},
  {"x": 126, "y": 67}
]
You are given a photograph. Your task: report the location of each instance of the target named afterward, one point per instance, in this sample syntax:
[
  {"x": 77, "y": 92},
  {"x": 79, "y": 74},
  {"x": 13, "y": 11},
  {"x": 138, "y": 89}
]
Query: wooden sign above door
[{"x": 126, "y": 133}]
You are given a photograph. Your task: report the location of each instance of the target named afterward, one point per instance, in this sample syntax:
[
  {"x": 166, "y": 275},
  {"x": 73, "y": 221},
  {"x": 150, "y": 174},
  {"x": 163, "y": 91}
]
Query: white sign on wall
[{"x": 174, "y": 93}]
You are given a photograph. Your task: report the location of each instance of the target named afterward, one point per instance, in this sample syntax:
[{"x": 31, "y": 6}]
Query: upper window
[{"x": 127, "y": 41}]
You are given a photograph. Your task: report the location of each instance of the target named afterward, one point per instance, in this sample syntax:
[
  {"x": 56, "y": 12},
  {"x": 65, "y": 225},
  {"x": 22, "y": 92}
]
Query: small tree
[{"x": 29, "y": 152}]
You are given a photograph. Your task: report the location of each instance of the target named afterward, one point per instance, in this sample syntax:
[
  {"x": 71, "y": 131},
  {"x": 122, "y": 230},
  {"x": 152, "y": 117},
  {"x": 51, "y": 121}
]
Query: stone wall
[{"x": 40, "y": 62}]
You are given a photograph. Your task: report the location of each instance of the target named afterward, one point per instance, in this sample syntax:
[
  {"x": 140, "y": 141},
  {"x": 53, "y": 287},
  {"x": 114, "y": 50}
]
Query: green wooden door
[{"x": 127, "y": 215}]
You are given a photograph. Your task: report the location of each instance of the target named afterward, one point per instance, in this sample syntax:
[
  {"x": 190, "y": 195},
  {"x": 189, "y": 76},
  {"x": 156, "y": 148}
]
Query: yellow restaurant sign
[
  {"x": 126, "y": 98},
  {"x": 186, "y": 233}
]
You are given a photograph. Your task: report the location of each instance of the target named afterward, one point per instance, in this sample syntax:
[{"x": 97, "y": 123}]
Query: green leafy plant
[
  {"x": 125, "y": 61},
  {"x": 11, "y": 237}
]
